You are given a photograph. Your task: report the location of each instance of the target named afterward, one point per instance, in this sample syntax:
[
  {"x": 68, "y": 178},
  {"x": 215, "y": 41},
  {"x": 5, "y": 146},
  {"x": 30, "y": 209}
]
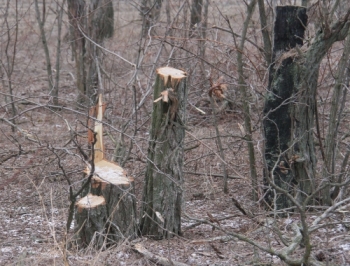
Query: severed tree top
[{"x": 90, "y": 201}]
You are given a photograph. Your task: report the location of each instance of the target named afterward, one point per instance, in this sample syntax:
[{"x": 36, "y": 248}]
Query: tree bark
[
  {"x": 196, "y": 16},
  {"x": 288, "y": 33},
  {"x": 162, "y": 197},
  {"x": 305, "y": 107},
  {"x": 265, "y": 32},
  {"x": 302, "y": 160},
  {"x": 117, "y": 189},
  {"x": 96, "y": 19},
  {"x": 76, "y": 16},
  {"x": 114, "y": 217},
  {"x": 100, "y": 25},
  {"x": 91, "y": 220},
  {"x": 333, "y": 126}
]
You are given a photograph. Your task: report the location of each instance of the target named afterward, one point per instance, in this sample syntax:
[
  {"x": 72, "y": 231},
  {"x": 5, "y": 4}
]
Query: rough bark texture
[
  {"x": 196, "y": 16},
  {"x": 120, "y": 208},
  {"x": 96, "y": 19},
  {"x": 109, "y": 212},
  {"x": 91, "y": 220},
  {"x": 337, "y": 108},
  {"x": 113, "y": 219},
  {"x": 288, "y": 33},
  {"x": 302, "y": 161},
  {"x": 305, "y": 107},
  {"x": 162, "y": 197}
]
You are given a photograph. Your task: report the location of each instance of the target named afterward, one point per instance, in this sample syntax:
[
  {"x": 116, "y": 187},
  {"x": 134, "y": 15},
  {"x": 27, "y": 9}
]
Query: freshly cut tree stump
[
  {"x": 110, "y": 181},
  {"x": 162, "y": 197},
  {"x": 91, "y": 216},
  {"x": 116, "y": 219}
]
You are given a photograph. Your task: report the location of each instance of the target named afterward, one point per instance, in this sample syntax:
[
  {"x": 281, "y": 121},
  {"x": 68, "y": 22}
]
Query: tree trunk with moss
[
  {"x": 162, "y": 197},
  {"x": 288, "y": 33},
  {"x": 298, "y": 155}
]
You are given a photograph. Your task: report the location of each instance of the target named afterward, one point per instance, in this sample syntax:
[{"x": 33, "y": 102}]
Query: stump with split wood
[
  {"x": 111, "y": 182},
  {"x": 162, "y": 197},
  {"x": 108, "y": 214}
]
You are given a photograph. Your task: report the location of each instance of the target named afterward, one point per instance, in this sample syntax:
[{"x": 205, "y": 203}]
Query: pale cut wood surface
[
  {"x": 90, "y": 201},
  {"x": 106, "y": 171}
]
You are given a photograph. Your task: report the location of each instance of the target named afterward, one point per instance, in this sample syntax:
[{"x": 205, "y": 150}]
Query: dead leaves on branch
[{"x": 217, "y": 89}]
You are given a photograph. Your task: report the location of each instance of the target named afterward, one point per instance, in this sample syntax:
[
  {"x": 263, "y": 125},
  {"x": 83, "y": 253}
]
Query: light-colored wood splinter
[
  {"x": 99, "y": 148},
  {"x": 105, "y": 171}
]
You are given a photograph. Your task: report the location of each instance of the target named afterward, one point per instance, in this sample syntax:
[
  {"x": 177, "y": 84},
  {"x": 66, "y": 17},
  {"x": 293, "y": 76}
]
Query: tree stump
[
  {"x": 115, "y": 217},
  {"x": 111, "y": 182},
  {"x": 91, "y": 216},
  {"x": 162, "y": 197},
  {"x": 279, "y": 100}
]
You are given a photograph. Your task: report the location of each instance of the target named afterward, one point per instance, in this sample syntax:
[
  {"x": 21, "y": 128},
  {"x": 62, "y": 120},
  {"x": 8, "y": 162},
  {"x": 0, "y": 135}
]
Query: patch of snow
[
  {"x": 345, "y": 246},
  {"x": 6, "y": 249}
]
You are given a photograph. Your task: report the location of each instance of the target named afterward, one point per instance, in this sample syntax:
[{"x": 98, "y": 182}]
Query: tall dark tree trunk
[
  {"x": 296, "y": 157},
  {"x": 288, "y": 33},
  {"x": 162, "y": 197},
  {"x": 96, "y": 20},
  {"x": 196, "y": 16}
]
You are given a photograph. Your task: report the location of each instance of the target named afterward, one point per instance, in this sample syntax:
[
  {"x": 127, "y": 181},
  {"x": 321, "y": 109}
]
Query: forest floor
[{"x": 34, "y": 208}]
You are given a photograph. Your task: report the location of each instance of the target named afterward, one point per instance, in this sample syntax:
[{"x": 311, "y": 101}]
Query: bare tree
[
  {"x": 90, "y": 24},
  {"x": 337, "y": 110},
  {"x": 150, "y": 12},
  {"x": 243, "y": 89},
  {"x": 53, "y": 82},
  {"x": 196, "y": 16},
  {"x": 296, "y": 156},
  {"x": 8, "y": 64}
]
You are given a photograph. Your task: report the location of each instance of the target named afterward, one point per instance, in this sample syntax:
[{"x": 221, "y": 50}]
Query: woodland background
[{"x": 44, "y": 136}]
